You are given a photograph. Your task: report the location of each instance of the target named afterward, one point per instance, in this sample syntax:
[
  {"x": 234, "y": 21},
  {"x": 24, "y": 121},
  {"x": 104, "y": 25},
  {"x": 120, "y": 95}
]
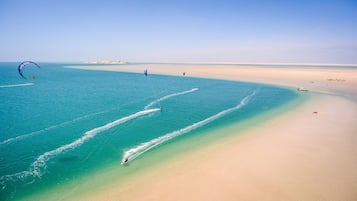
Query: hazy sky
[{"x": 179, "y": 31}]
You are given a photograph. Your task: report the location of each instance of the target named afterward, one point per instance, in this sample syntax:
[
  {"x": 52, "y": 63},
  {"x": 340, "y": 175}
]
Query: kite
[{"x": 23, "y": 65}]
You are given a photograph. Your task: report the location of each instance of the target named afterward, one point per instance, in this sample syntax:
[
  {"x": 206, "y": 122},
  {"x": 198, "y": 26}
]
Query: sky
[{"x": 250, "y": 31}]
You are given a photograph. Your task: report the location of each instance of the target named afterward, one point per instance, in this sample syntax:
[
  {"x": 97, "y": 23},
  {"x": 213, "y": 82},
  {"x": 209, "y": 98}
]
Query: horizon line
[{"x": 203, "y": 63}]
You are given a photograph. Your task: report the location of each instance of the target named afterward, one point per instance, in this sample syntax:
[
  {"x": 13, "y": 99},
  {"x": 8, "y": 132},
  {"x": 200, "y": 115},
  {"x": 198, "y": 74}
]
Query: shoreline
[
  {"x": 334, "y": 81},
  {"x": 296, "y": 155}
]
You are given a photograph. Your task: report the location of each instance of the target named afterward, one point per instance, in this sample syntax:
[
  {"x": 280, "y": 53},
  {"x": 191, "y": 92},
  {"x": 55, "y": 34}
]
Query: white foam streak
[
  {"x": 16, "y": 85},
  {"x": 170, "y": 96},
  {"x": 40, "y": 163},
  {"x": 144, "y": 147},
  {"x": 24, "y": 136}
]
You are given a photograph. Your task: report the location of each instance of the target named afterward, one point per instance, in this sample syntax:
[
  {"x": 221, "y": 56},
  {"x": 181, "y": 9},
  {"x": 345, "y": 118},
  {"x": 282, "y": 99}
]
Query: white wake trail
[
  {"x": 16, "y": 85},
  {"x": 144, "y": 147},
  {"x": 24, "y": 136},
  {"x": 37, "y": 167},
  {"x": 169, "y": 96}
]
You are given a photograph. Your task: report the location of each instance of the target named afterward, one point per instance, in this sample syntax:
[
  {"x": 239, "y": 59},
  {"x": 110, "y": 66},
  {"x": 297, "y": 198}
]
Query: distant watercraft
[
  {"x": 125, "y": 160},
  {"x": 302, "y": 89}
]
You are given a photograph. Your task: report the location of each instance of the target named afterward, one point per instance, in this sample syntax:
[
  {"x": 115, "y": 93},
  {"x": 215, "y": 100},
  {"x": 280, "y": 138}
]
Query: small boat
[
  {"x": 124, "y": 161},
  {"x": 302, "y": 89}
]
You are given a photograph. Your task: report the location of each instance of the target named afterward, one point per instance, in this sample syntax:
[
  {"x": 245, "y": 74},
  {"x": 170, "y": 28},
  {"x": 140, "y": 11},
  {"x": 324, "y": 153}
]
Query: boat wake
[
  {"x": 24, "y": 136},
  {"x": 146, "y": 146},
  {"x": 39, "y": 165},
  {"x": 37, "y": 168},
  {"x": 169, "y": 96},
  {"x": 16, "y": 85}
]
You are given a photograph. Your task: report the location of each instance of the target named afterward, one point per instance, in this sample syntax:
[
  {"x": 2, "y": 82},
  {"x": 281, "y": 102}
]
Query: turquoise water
[{"x": 68, "y": 122}]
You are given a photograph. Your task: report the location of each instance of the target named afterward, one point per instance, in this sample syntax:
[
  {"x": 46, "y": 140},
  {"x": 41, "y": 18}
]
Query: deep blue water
[{"x": 67, "y": 122}]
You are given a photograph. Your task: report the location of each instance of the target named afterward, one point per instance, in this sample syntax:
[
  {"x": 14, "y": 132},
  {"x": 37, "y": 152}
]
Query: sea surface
[{"x": 60, "y": 124}]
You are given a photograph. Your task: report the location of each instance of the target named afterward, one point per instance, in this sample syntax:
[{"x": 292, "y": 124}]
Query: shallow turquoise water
[{"x": 69, "y": 122}]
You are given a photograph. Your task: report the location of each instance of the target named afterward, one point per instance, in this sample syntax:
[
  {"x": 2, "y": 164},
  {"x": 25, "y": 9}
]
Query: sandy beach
[{"x": 306, "y": 153}]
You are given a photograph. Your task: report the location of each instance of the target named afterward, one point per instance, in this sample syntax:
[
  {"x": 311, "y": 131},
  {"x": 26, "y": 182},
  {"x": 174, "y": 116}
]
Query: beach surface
[{"x": 307, "y": 152}]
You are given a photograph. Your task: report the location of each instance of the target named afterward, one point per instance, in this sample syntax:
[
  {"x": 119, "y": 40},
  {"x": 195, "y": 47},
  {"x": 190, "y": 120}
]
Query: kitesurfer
[{"x": 22, "y": 66}]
